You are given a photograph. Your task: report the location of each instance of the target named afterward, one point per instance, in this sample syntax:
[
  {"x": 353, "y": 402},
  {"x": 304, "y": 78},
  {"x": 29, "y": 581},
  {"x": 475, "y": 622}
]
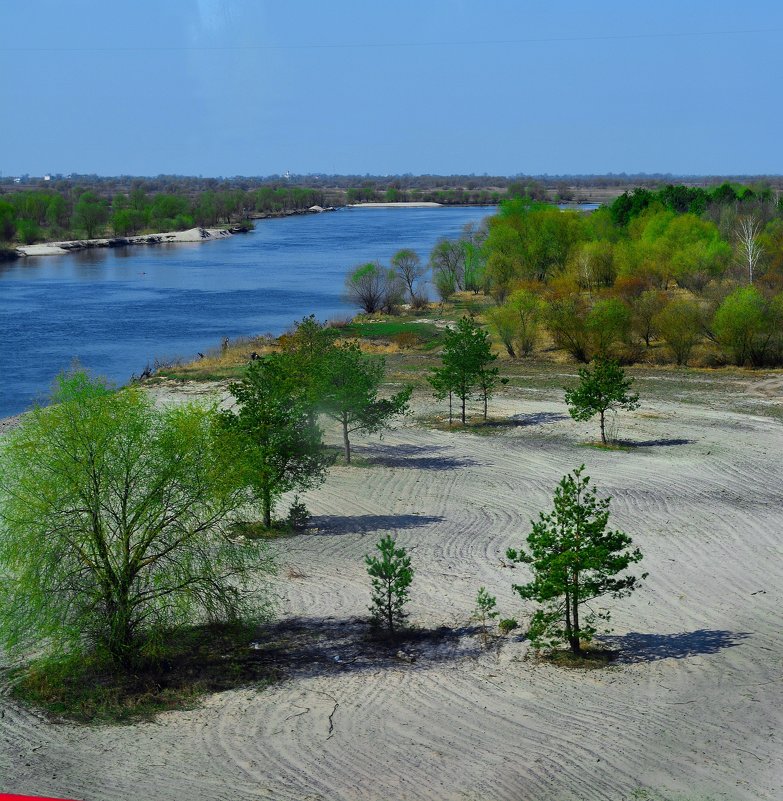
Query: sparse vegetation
[{"x": 391, "y": 575}]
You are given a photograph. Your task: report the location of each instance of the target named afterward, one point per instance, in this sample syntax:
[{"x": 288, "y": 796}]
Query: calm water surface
[{"x": 115, "y": 310}]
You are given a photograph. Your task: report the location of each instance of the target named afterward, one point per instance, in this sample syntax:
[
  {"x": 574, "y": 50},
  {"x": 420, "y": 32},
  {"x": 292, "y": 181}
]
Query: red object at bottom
[{"x": 9, "y": 797}]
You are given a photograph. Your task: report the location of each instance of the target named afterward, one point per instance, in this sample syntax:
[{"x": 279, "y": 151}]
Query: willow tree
[{"x": 116, "y": 524}]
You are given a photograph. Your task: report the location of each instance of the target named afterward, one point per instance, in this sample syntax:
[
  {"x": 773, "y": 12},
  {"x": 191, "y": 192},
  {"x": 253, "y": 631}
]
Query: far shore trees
[
  {"x": 465, "y": 366},
  {"x": 275, "y": 441},
  {"x": 603, "y": 388},
  {"x": 116, "y": 525},
  {"x": 348, "y": 391},
  {"x": 575, "y": 560}
]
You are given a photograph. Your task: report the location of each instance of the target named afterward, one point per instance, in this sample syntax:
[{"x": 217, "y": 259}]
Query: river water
[{"x": 116, "y": 310}]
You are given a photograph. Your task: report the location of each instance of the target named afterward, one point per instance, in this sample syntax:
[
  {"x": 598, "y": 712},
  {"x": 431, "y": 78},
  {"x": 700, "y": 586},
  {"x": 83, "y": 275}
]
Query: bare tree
[
  {"x": 748, "y": 230},
  {"x": 408, "y": 266},
  {"x": 366, "y": 285}
]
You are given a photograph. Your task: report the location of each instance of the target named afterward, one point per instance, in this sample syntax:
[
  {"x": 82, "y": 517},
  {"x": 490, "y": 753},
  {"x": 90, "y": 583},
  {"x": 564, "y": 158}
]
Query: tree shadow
[
  {"x": 414, "y": 457},
  {"x": 363, "y": 524},
  {"x": 309, "y": 646},
  {"x": 637, "y": 647},
  {"x": 652, "y": 443},
  {"x": 523, "y": 420}
]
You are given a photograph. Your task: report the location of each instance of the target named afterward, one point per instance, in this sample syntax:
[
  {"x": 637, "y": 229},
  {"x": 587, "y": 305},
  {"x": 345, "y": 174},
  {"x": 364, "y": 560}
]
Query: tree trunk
[
  {"x": 346, "y": 441},
  {"x": 603, "y": 428},
  {"x": 575, "y": 640},
  {"x": 266, "y": 506},
  {"x": 463, "y": 410},
  {"x": 451, "y": 409},
  {"x": 485, "y": 407}
]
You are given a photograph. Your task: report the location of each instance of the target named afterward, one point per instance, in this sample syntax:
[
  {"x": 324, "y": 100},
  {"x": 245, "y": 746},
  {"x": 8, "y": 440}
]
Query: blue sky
[{"x": 251, "y": 87}]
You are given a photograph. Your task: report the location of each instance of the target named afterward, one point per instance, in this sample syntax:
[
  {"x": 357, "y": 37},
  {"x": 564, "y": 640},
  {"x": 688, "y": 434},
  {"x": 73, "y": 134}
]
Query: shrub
[
  {"x": 507, "y": 624},
  {"x": 391, "y": 574},
  {"x": 680, "y": 326}
]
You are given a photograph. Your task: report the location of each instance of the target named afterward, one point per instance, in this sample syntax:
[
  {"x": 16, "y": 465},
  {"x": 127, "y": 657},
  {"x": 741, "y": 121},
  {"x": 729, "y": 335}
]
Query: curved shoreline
[{"x": 172, "y": 237}]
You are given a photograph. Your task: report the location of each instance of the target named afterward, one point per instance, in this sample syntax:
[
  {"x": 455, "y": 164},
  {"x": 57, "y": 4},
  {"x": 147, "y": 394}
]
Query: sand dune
[{"x": 691, "y": 711}]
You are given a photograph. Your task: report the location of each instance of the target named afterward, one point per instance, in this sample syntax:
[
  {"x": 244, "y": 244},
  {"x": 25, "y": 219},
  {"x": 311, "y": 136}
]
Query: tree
[
  {"x": 308, "y": 347},
  {"x": 466, "y": 357},
  {"x": 90, "y": 213},
  {"x": 349, "y": 393},
  {"x": 574, "y": 560},
  {"x": 375, "y": 288},
  {"x": 747, "y": 324},
  {"x": 116, "y": 524},
  {"x": 644, "y": 308},
  {"x": 604, "y": 388},
  {"x": 680, "y": 325},
  {"x": 274, "y": 440},
  {"x": 391, "y": 574},
  {"x": 748, "y": 230},
  {"x": 408, "y": 266},
  {"x": 485, "y": 610},
  {"x": 448, "y": 261}
]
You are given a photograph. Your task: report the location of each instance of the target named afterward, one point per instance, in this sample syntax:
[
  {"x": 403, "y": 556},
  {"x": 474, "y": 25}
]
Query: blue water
[{"x": 116, "y": 310}]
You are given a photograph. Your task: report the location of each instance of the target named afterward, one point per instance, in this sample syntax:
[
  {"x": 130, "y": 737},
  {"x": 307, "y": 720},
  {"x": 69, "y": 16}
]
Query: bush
[
  {"x": 680, "y": 326},
  {"x": 298, "y": 515},
  {"x": 747, "y": 326},
  {"x": 507, "y": 624}
]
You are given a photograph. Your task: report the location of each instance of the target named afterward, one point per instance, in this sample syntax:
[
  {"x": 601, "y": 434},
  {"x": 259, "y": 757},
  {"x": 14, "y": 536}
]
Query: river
[{"x": 117, "y": 310}]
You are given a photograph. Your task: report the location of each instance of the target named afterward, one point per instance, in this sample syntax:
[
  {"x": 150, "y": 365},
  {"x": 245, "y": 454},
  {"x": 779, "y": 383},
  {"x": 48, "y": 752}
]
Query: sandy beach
[
  {"x": 401, "y": 205},
  {"x": 58, "y": 248},
  {"x": 692, "y": 709}
]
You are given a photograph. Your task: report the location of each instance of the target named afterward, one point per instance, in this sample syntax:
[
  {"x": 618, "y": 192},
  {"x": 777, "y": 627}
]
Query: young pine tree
[
  {"x": 574, "y": 559},
  {"x": 391, "y": 574}
]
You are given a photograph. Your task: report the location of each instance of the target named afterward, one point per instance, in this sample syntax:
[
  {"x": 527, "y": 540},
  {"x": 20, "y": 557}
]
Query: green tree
[
  {"x": 604, "y": 388},
  {"x": 747, "y": 325},
  {"x": 115, "y": 524},
  {"x": 375, "y": 288},
  {"x": 90, "y": 214},
  {"x": 485, "y": 610},
  {"x": 274, "y": 440},
  {"x": 308, "y": 347},
  {"x": 609, "y": 325},
  {"x": 680, "y": 325},
  {"x": 349, "y": 388},
  {"x": 574, "y": 559},
  {"x": 465, "y": 365},
  {"x": 391, "y": 575}
]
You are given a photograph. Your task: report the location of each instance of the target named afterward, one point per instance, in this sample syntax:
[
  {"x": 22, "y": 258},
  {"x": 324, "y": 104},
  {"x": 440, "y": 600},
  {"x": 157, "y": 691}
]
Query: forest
[{"x": 683, "y": 274}]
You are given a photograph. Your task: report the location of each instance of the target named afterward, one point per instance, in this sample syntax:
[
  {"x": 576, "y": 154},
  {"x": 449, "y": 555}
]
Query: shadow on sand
[
  {"x": 414, "y": 457},
  {"x": 652, "y": 443},
  {"x": 363, "y": 524},
  {"x": 310, "y": 646},
  {"x": 637, "y": 647}
]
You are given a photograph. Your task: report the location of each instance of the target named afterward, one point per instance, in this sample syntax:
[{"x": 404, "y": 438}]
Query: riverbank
[
  {"x": 172, "y": 237},
  {"x": 400, "y": 205}
]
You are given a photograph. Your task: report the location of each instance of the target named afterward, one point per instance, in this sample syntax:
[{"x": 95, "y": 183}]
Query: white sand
[
  {"x": 58, "y": 248},
  {"x": 694, "y": 710},
  {"x": 401, "y": 205}
]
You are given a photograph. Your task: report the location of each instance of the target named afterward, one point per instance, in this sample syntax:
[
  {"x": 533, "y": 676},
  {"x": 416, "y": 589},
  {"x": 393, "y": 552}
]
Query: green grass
[
  {"x": 395, "y": 330},
  {"x": 195, "y": 661}
]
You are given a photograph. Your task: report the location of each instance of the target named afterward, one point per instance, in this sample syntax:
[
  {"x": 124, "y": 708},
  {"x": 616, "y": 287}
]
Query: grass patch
[
  {"x": 608, "y": 446},
  {"x": 588, "y": 659},
  {"x": 405, "y": 333},
  {"x": 196, "y": 661}
]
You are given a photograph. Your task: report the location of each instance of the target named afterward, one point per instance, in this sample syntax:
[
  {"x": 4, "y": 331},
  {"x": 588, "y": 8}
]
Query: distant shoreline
[
  {"x": 173, "y": 237},
  {"x": 401, "y": 204}
]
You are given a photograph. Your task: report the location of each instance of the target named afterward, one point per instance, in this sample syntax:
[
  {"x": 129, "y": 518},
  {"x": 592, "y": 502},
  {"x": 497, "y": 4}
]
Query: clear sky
[{"x": 255, "y": 87}]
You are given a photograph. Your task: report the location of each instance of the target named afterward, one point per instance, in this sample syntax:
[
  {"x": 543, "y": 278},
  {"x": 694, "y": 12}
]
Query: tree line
[
  {"x": 678, "y": 274},
  {"x": 32, "y": 216}
]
